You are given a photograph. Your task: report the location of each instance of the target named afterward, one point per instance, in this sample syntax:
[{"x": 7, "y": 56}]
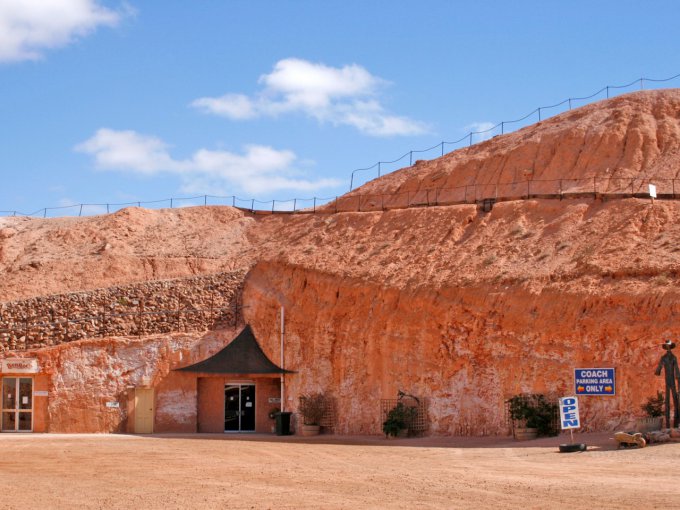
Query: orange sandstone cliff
[{"x": 463, "y": 307}]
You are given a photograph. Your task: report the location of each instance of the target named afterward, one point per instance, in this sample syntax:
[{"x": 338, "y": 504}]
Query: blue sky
[{"x": 108, "y": 102}]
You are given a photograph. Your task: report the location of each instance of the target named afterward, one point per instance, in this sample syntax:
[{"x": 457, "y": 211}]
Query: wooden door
[{"x": 143, "y": 410}]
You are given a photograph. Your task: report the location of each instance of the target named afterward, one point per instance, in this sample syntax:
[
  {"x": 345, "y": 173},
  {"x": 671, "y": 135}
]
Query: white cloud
[
  {"x": 481, "y": 130},
  {"x": 340, "y": 96},
  {"x": 259, "y": 169},
  {"x": 29, "y": 27}
]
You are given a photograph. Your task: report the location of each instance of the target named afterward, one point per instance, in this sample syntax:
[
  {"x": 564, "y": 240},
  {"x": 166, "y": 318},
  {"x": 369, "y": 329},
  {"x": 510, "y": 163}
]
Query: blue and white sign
[
  {"x": 595, "y": 381},
  {"x": 569, "y": 417}
]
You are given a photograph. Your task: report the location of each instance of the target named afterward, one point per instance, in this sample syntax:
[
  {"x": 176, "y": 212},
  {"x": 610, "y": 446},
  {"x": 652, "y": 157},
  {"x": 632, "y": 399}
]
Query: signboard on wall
[
  {"x": 569, "y": 417},
  {"x": 19, "y": 366},
  {"x": 595, "y": 381}
]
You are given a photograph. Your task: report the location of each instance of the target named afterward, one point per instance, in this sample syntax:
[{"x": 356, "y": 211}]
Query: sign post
[{"x": 569, "y": 415}]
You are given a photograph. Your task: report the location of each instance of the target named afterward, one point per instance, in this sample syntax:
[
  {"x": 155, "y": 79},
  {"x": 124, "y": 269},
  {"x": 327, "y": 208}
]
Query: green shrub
[{"x": 536, "y": 412}]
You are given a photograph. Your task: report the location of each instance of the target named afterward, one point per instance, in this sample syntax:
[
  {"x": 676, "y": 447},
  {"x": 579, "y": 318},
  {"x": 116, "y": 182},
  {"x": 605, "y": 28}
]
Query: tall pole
[{"x": 283, "y": 311}]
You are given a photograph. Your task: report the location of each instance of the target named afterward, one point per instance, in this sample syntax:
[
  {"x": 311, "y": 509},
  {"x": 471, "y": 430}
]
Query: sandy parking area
[{"x": 202, "y": 471}]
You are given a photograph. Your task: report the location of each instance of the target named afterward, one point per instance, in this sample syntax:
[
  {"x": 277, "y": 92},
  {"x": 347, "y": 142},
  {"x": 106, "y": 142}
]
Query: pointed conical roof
[{"x": 242, "y": 356}]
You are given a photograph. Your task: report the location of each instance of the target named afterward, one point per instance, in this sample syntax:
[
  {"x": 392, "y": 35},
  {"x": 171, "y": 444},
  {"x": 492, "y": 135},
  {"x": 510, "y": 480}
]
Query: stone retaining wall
[{"x": 186, "y": 304}]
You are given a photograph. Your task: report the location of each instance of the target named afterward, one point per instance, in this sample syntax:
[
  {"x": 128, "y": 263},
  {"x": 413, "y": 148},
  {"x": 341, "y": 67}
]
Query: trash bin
[{"x": 283, "y": 423}]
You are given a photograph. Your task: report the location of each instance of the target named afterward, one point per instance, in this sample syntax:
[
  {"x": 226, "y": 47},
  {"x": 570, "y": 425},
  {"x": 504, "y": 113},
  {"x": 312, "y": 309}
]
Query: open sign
[{"x": 569, "y": 417}]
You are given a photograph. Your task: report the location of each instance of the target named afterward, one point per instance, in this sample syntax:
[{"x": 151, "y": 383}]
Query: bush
[
  {"x": 536, "y": 412},
  {"x": 398, "y": 418},
  {"x": 654, "y": 406}
]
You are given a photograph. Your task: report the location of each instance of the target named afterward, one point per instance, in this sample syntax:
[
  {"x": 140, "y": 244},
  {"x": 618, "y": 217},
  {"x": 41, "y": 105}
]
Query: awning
[{"x": 242, "y": 356}]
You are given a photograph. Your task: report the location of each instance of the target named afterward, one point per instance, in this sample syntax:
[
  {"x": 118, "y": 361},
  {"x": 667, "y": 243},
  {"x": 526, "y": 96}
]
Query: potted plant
[
  {"x": 532, "y": 416},
  {"x": 653, "y": 409},
  {"x": 398, "y": 420},
  {"x": 312, "y": 409}
]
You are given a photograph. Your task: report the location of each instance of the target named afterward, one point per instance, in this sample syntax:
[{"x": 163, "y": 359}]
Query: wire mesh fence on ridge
[
  {"x": 605, "y": 187},
  {"x": 380, "y": 168}
]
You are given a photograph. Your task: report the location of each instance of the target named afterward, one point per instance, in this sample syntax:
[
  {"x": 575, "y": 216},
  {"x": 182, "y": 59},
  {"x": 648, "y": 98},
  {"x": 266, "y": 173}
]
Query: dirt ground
[{"x": 213, "y": 471}]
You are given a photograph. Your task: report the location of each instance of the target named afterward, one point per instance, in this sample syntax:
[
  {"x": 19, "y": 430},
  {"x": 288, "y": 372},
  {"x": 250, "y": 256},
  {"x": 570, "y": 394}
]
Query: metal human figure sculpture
[{"x": 669, "y": 363}]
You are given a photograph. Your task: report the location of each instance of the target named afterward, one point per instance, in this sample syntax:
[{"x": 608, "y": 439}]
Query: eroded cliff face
[
  {"x": 83, "y": 376},
  {"x": 465, "y": 349}
]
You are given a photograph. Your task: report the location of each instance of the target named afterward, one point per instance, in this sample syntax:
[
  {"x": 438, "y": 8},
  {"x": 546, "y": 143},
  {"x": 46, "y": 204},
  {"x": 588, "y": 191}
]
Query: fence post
[
  {"x": 294, "y": 204},
  {"x": 273, "y": 201},
  {"x": 378, "y": 168},
  {"x": 442, "y": 147},
  {"x": 233, "y": 200},
  {"x": 80, "y": 213},
  {"x": 252, "y": 205},
  {"x": 205, "y": 200},
  {"x": 314, "y": 207},
  {"x": 351, "y": 181},
  {"x": 570, "y": 103},
  {"x": 410, "y": 158},
  {"x": 502, "y": 127},
  {"x": 107, "y": 208},
  {"x": 45, "y": 212},
  {"x": 171, "y": 203},
  {"x": 470, "y": 138},
  {"x": 607, "y": 91},
  {"x": 641, "y": 87},
  {"x": 139, "y": 204}
]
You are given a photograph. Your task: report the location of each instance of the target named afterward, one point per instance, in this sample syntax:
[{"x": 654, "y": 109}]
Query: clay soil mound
[
  {"x": 49, "y": 256},
  {"x": 633, "y": 135}
]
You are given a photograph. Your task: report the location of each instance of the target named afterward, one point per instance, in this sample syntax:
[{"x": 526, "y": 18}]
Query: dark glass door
[
  {"x": 232, "y": 408},
  {"x": 17, "y": 404},
  {"x": 248, "y": 408},
  {"x": 239, "y": 408}
]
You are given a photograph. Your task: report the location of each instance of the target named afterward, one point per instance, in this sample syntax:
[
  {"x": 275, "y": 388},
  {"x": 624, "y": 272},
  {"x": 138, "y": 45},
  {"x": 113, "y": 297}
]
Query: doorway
[
  {"x": 239, "y": 407},
  {"x": 143, "y": 410},
  {"x": 17, "y": 404}
]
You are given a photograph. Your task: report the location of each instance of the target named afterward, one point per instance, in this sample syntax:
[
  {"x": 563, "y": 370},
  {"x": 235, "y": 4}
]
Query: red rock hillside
[{"x": 462, "y": 307}]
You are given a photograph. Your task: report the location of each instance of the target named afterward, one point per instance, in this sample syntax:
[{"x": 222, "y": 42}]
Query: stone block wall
[{"x": 187, "y": 304}]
